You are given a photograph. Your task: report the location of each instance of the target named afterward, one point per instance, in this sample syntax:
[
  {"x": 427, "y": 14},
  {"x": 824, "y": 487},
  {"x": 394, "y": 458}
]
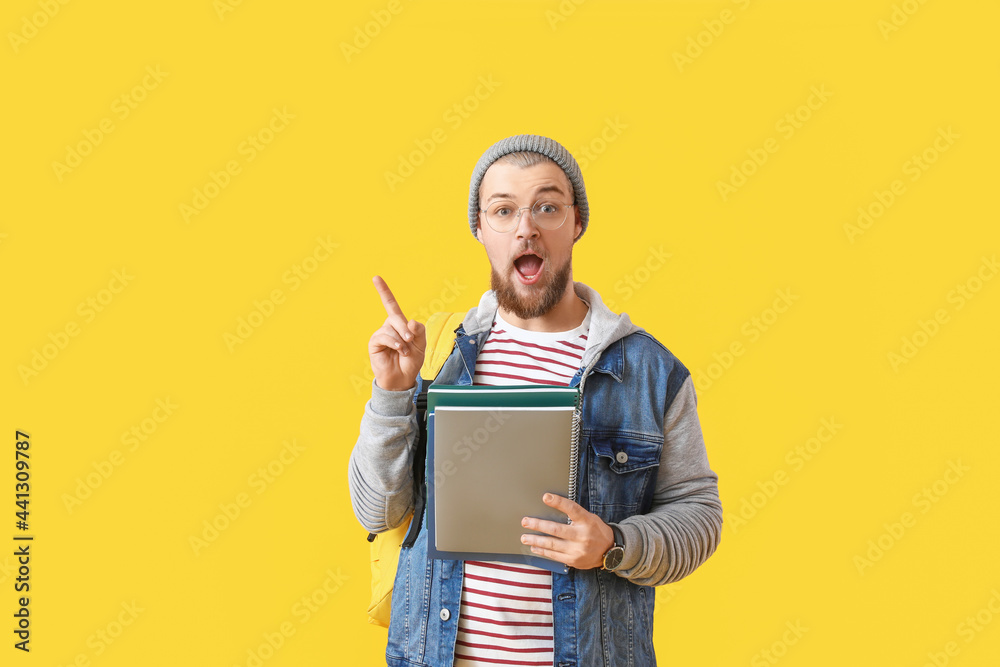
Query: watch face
[{"x": 613, "y": 558}]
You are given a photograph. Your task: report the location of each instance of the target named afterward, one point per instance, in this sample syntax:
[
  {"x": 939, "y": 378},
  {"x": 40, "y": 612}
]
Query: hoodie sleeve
[
  {"x": 379, "y": 471},
  {"x": 684, "y": 525}
]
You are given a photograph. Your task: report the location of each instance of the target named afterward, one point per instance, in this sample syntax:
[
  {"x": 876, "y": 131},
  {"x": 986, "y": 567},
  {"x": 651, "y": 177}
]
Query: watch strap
[
  {"x": 619, "y": 537},
  {"x": 619, "y": 546}
]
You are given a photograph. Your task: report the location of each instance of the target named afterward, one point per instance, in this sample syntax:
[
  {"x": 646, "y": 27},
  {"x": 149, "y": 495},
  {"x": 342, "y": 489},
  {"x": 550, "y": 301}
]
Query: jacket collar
[{"x": 606, "y": 328}]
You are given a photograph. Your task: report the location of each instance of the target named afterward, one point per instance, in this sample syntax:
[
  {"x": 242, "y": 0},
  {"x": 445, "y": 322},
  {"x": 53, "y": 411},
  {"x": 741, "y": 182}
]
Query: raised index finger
[
  {"x": 388, "y": 300},
  {"x": 391, "y": 305}
]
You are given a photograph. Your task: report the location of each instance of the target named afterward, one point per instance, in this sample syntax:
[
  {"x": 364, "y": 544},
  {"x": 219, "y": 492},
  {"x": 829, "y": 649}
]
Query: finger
[
  {"x": 388, "y": 300},
  {"x": 393, "y": 326},
  {"x": 548, "y": 550},
  {"x": 395, "y": 313},
  {"x": 553, "y": 528},
  {"x": 389, "y": 339},
  {"x": 574, "y": 511},
  {"x": 551, "y": 555},
  {"x": 549, "y": 544},
  {"x": 419, "y": 335}
]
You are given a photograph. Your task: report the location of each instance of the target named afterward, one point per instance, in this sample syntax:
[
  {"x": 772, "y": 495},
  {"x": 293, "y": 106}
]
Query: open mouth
[{"x": 528, "y": 267}]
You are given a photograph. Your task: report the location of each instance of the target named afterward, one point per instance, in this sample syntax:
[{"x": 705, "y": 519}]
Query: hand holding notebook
[{"x": 582, "y": 542}]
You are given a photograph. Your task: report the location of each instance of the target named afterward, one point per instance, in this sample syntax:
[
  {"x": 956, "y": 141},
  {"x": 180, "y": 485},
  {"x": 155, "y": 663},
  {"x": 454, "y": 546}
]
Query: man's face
[{"x": 530, "y": 266}]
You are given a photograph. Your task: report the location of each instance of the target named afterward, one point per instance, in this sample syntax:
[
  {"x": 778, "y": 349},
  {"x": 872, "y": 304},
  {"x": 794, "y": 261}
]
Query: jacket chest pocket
[{"x": 621, "y": 475}]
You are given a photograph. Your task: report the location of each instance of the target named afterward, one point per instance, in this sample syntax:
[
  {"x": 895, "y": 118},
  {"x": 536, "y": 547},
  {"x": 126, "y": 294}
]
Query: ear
[
  {"x": 479, "y": 229},
  {"x": 578, "y": 224}
]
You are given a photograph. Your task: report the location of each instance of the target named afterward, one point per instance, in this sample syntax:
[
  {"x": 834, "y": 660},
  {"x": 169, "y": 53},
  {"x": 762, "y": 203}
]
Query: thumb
[{"x": 419, "y": 334}]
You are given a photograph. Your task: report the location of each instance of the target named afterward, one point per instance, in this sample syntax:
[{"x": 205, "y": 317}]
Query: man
[{"x": 647, "y": 511}]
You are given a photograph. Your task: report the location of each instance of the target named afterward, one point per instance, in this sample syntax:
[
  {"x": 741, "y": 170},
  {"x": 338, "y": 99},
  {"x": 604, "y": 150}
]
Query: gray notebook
[{"x": 491, "y": 467}]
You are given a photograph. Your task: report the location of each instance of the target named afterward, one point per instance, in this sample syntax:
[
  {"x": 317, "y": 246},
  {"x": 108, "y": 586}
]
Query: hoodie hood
[{"x": 606, "y": 327}]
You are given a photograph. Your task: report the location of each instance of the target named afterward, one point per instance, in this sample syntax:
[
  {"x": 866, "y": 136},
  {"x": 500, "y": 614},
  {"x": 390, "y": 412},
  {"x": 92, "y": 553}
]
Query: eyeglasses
[{"x": 503, "y": 216}]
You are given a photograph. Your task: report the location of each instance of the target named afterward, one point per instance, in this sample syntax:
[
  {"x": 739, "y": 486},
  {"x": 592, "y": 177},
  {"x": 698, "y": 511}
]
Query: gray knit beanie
[{"x": 535, "y": 144}]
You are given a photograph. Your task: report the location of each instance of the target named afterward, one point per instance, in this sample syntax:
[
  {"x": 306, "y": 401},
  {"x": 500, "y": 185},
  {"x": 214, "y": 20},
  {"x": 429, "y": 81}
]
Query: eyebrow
[{"x": 544, "y": 188}]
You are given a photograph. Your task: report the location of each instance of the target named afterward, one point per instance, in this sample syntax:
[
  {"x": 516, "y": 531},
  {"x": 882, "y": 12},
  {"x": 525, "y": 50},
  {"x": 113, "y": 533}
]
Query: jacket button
[
  {"x": 621, "y": 457},
  {"x": 445, "y": 614}
]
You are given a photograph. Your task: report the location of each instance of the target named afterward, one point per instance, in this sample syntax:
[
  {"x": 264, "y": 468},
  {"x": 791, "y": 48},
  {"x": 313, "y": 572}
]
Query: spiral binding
[{"x": 574, "y": 448}]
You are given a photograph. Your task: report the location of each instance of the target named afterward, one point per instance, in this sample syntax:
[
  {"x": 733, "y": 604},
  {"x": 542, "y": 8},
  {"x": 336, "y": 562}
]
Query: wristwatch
[{"x": 613, "y": 556}]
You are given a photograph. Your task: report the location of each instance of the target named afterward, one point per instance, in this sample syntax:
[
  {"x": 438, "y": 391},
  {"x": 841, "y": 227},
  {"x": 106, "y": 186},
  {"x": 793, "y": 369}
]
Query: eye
[
  {"x": 501, "y": 211},
  {"x": 547, "y": 208}
]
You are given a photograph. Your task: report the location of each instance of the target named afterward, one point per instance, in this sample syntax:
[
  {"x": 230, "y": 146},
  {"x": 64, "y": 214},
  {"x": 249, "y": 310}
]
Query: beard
[{"x": 540, "y": 300}]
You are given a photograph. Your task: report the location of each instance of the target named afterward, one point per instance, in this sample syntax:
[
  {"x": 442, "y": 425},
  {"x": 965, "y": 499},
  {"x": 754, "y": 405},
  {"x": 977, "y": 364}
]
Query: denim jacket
[{"x": 631, "y": 427}]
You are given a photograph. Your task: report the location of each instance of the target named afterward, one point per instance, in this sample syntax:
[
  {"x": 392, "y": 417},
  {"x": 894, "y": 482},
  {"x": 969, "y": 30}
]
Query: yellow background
[{"x": 655, "y": 134}]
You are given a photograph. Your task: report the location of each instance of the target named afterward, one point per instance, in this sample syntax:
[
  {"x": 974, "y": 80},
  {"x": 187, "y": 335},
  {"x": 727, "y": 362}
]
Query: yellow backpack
[{"x": 384, "y": 547}]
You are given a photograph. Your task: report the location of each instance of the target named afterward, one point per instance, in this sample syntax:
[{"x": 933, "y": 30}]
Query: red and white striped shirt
[{"x": 506, "y": 612}]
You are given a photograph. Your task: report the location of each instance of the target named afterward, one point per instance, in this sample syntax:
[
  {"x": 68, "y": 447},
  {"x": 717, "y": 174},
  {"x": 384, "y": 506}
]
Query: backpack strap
[{"x": 418, "y": 471}]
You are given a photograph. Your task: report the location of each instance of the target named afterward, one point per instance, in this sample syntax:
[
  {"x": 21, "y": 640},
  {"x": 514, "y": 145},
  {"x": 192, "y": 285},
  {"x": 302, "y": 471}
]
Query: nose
[{"x": 526, "y": 227}]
